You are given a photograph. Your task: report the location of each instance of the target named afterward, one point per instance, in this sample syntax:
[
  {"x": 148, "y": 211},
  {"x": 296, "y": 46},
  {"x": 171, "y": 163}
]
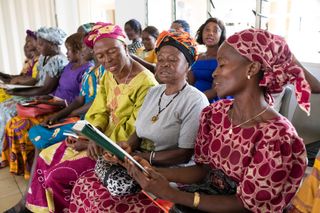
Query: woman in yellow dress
[{"x": 120, "y": 95}]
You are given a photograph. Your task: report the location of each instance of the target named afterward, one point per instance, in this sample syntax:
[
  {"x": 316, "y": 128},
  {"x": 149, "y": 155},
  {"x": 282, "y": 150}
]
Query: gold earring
[{"x": 248, "y": 77}]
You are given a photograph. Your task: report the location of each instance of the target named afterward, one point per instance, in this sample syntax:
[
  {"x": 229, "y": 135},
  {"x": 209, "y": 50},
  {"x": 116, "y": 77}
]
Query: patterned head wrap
[
  {"x": 31, "y": 34},
  {"x": 104, "y": 30},
  {"x": 87, "y": 27},
  {"x": 52, "y": 34},
  {"x": 182, "y": 41},
  {"x": 276, "y": 60}
]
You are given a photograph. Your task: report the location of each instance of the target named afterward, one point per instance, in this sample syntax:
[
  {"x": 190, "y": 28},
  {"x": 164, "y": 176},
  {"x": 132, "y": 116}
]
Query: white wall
[
  {"x": 16, "y": 16},
  {"x": 128, "y": 9}
]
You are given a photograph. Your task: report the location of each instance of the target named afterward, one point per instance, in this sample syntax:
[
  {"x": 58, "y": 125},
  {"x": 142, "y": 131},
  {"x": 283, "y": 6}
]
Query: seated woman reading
[
  {"x": 166, "y": 128},
  {"x": 120, "y": 95},
  {"x": 248, "y": 157}
]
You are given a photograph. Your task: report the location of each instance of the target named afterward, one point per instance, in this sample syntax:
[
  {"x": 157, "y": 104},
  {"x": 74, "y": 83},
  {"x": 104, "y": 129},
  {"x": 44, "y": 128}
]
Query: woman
[
  {"x": 166, "y": 128},
  {"x": 18, "y": 150},
  {"x": 41, "y": 135},
  {"x": 250, "y": 156},
  {"x": 307, "y": 200},
  {"x": 133, "y": 31},
  {"x": 29, "y": 69},
  {"x": 114, "y": 110},
  {"x": 147, "y": 56},
  {"x": 211, "y": 34},
  {"x": 180, "y": 26},
  {"x": 51, "y": 64}
]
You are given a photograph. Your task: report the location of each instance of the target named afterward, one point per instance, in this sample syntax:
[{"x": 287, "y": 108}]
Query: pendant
[{"x": 154, "y": 118}]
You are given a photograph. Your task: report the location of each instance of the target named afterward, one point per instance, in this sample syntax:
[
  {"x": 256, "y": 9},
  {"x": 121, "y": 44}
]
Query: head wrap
[
  {"x": 87, "y": 27},
  {"x": 276, "y": 60},
  {"x": 31, "y": 34},
  {"x": 104, "y": 30},
  {"x": 182, "y": 41},
  {"x": 52, "y": 34}
]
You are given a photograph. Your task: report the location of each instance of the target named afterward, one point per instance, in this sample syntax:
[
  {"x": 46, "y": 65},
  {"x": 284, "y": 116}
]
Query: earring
[{"x": 248, "y": 77}]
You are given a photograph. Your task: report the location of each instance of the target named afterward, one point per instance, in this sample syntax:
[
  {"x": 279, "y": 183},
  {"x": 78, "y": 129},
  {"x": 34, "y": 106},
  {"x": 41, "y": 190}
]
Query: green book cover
[{"x": 86, "y": 129}]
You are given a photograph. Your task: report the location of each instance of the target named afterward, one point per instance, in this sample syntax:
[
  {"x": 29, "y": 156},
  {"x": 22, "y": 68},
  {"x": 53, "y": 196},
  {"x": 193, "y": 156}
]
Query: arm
[
  {"x": 98, "y": 113},
  {"x": 158, "y": 184},
  {"x": 78, "y": 102},
  {"x": 24, "y": 80},
  {"x": 144, "y": 63},
  {"x": 169, "y": 157},
  {"x": 49, "y": 85},
  {"x": 81, "y": 110}
]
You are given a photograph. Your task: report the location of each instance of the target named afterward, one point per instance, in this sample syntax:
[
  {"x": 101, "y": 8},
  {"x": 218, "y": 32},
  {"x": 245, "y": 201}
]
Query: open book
[{"x": 86, "y": 129}]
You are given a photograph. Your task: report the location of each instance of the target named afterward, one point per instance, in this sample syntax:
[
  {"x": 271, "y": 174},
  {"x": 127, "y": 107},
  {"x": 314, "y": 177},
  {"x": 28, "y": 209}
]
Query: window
[
  {"x": 160, "y": 14},
  {"x": 299, "y": 23},
  {"x": 192, "y": 11},
  {"x": 237, "y": 15}
]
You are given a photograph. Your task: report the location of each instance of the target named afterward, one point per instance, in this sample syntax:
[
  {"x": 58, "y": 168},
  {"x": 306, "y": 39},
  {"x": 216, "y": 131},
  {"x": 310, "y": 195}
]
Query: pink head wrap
[
  {"x": 104, "y": 30},
  {"x": 277, "y": 62}
]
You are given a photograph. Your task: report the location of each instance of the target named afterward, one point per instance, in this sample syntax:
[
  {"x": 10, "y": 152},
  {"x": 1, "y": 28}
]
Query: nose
[{"x": 216, "y": 72}]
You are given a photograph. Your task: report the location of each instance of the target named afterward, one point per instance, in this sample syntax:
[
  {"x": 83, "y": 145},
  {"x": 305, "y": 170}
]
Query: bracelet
[
  {"x": 196, "y": 200},
  {"x": 150, "y": 157}
]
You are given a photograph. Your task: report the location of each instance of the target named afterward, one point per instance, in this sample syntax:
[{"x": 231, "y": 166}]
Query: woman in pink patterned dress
[{"x": 249, "y": 157}]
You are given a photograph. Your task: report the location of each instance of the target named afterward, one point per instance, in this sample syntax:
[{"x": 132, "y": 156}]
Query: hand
[
  {"x": 52, "y": 119},
  {"x": 79, "y": 144},
  {"x": 94, "y": 151},
  {"x": 114, "y": 159},
  {"x": 153, "y": 182}
]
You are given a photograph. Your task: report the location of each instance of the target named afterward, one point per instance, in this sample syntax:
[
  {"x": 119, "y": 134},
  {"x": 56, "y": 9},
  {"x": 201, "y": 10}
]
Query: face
[
  {"x": 211, "y": 34},
  {"x": 86, "y": 53},
  {"x": 28, "y": 51},
  {"x": 172, "y": 65},
  {"x": 111, "y": 53},
  {"x": 31, "y": 41},
  {"x": 130, "y": 32},
  {"x": 72, "y": 55},
  {"x": 148, "y": 41},
  {"x": 44, "y": 47},
  {"x": 176, "y": 27},
  {"x": 230, "y": 77}
]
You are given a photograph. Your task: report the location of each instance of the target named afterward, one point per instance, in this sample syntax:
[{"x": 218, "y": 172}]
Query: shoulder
[
  {"x": 58, "y": 61},
  {"x": 221, "y": 106},
  {"x": 156, "y": 89},
  {"x": 146, "y": 78},
  {"x": 284, "y": 128},
  {"x": 194, "y": 94}
]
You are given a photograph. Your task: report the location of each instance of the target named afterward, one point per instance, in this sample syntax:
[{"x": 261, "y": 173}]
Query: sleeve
[
  {"x": 98, "y": 113},
  {"x": 55, "y": 65},
  {"x": 204, "y": 137},
  {"x": 191, "y": 119},
  {"x": 126, "y": 126},
  {"x": 274, "y": 174}
]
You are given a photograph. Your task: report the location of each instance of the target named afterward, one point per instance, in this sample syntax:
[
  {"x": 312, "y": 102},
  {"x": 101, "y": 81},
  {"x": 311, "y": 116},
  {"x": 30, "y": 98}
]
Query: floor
[{"x": 11, "y": 188}]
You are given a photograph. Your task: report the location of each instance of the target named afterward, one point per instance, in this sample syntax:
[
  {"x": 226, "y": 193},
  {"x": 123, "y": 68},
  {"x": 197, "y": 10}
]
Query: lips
[{"x": 111, "y": 68}]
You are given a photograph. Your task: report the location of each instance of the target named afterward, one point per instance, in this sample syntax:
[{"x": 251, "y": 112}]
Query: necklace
[
  {"x": 254, "y": 117},
  {"x": 156, "y": 117}
]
